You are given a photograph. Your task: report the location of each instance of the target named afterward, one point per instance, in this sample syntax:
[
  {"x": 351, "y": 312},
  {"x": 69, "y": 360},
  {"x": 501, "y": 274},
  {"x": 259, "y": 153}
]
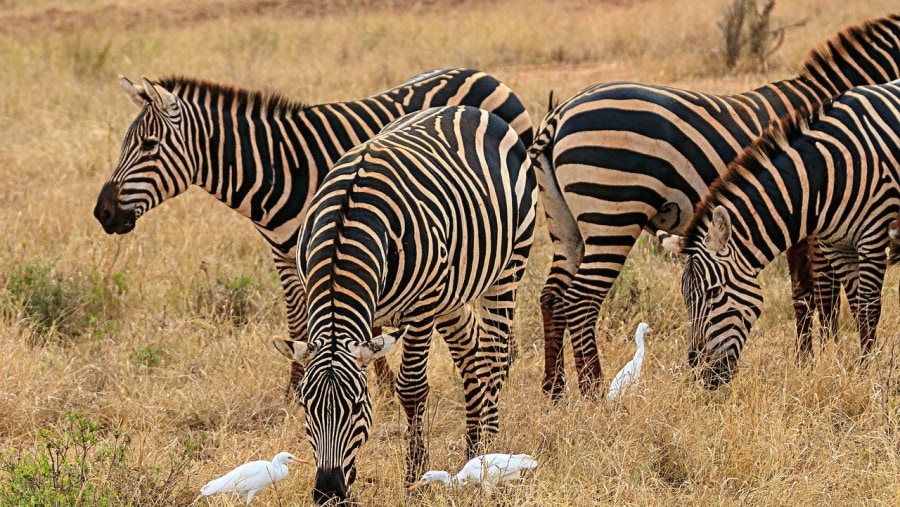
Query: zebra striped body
[
  {"x": 835, "y": 175},
  {"x": 618, "y": 158},
  {"x": 435, "y": 212},
  {"x": 264, "y": 155}
]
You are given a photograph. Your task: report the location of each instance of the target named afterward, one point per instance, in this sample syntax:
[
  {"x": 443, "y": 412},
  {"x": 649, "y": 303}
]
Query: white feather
[
  {"x": 249, "y": 478},
  {"x": 488, "y": 470},
  {"x": 631, "y": 372}
]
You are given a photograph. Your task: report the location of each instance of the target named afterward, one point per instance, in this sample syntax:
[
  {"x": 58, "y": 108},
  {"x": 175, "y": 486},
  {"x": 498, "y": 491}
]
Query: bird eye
[{"x": 150, "y": 145}]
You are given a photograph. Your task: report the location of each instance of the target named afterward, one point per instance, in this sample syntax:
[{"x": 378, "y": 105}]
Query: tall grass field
[{"x": 135, "y": 368}]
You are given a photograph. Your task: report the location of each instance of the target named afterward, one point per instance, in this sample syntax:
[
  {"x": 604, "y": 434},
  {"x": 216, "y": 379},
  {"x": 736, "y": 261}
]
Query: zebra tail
[{"x": 560, "y": 221}]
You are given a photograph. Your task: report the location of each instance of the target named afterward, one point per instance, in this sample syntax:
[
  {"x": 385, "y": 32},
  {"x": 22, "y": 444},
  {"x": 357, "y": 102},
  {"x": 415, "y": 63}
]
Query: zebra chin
[{"x": 330, "y": 485}]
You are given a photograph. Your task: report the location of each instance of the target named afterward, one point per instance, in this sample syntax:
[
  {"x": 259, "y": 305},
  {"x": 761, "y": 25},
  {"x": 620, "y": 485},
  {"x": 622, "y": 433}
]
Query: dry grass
[{"x": 153, "y": 359}]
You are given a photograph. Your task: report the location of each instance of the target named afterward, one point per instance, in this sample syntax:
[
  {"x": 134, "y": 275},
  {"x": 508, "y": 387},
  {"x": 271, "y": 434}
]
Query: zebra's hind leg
[
  {"x": 498, "y": 306},
  {"x": 412, "y": 390},
  {"x": 601, "y": 265},
  {"x": 459, "y": 329},
  {"x": 568, "y": 250}
]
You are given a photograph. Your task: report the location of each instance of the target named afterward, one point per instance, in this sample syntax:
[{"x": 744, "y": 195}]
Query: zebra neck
[
  {"x": 266, "y": 164},
  {"x": 764, "y": 229},
  {"x": 864, "y": 55}
]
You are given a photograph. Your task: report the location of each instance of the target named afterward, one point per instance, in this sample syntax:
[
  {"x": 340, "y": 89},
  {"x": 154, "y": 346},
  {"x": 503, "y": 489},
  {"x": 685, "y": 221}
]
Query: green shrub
[
  {"x": 147, "y": 355},
  {"x": 227, "y": 299},
  {"x": 56, "y": 305},
  {"x": 78, "y": 466}
]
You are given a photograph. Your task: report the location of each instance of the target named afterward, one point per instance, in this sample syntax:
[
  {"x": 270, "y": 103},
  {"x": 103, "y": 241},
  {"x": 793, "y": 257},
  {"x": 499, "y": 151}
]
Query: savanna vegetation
[{"x": 135, "y": 368}]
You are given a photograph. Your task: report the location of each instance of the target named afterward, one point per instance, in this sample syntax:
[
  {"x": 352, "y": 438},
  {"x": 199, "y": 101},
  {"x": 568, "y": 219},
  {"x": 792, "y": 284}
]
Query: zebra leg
[
  {"x": 827, "y": 278},
  {"x": 498, "y": 306},
  {"x": 460, "y": 331},
  {"x": 568, "y": 250},
  {"x": 295, "y": 298},
  {"x": 866, "y": 290},
  {"x": 412, "y": 390},
  {"x": 603, "y": 260},
  {"x": 801, "y": 271}
]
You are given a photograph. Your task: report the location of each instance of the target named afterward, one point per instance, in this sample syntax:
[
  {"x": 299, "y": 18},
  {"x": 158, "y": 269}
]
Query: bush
[
  {"x": 227, "y": 299},
  {"x": 60, "y": 306},
  {"x": 77, "y": 466}
]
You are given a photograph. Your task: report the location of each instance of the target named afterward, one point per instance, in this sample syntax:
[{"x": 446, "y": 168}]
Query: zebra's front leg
[
  {"x": 828, "y": 278},
  {"x": 800, "y": 269},
  {"x": 459, "y": 330},
  {"x": 866, "y": 303},
  {"x": 412, "y": 390}
]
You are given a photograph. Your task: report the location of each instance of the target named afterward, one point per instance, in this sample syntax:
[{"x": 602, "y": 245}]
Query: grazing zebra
[
  {"x": 835, "y": 175},
  {"x": 435, "y": 212},
  {"x": 264, "y": 155},
  {"x": 619, "y": 157}
]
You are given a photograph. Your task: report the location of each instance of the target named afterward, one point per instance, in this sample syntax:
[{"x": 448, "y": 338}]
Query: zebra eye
[
  {"x": 714, "y": 293},
  {"x": 150, "y": 145}
]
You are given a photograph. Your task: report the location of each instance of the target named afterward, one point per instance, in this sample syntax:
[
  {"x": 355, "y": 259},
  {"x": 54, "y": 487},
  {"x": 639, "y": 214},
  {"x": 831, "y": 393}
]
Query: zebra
[
  {"x": 834, "y": 174},
  {"x": 409, "y": 228},
  {"x": 620, "y": 157},
  {"x": 264, "y": 155}
]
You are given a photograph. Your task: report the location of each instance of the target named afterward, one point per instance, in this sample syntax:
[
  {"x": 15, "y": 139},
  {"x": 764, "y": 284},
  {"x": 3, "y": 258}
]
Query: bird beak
[
  {"x": 415, "y": 486},
  {"x": 297, "y": 461}
]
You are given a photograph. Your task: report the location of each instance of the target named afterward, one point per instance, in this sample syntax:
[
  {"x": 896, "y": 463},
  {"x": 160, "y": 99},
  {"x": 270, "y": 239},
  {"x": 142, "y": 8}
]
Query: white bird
[
  {"x": 251, "y": 477},
  {"x": 488, "y": 470},
  {"x": 631, "y": 372}
]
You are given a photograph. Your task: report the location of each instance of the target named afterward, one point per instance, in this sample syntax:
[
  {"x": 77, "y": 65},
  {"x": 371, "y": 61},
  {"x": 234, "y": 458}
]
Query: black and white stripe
[
  {"x": 618, "y": 158},
  {"x": 836, "y": 176},
  {"x": 407, "y": 230},
  {"x": 264, "y": 155}
]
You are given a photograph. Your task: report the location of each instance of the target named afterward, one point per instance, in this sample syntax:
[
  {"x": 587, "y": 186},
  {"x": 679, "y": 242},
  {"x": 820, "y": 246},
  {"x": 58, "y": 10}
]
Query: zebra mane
[
  {"x": 267, "y": 101},
  {"x": 752, "y": 161},
  {"x": 870, "y": 33}
]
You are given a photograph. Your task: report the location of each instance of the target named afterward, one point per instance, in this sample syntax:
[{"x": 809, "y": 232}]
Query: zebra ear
[
  {"x": 293, "y": 350},
  {"x": 378, "y": 347},
  {"x": 671, "y": 242},
  {"x": 135, "y": 93},
  {"x": 162, "y": 98},
  {"x": 719, "y": 231}
]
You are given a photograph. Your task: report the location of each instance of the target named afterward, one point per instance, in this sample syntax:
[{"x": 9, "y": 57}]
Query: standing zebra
[
  {"x": 835, "y": 175},
  {"x": 264, "y": 155},
  {"x": 435, "y": 212},
  {"x": 618, "y": 157}
]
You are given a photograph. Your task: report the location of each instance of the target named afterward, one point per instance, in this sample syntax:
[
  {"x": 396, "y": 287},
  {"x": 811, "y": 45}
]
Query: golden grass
[{"x": 779, "y": 434}]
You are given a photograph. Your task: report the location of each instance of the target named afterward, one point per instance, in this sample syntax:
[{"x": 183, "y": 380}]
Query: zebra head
[
  {"x": 335, "y": 397},
  {"x": 152, "y": 165},
  {"x": 722, "y": 296}
]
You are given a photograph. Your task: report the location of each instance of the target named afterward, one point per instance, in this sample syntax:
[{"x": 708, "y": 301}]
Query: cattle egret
[
  {"x": 631, "y": 372},
  {"x": 251, "y": 477},
  {"x": 488, "y": 470}
]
